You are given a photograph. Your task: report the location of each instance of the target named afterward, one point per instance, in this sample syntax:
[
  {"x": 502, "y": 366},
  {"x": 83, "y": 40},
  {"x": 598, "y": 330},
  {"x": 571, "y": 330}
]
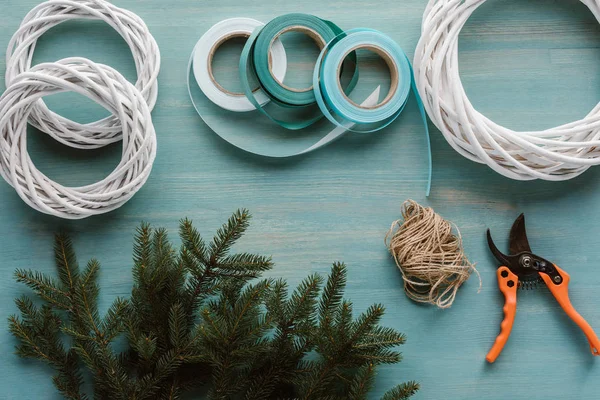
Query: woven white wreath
[
  {"x": 133, "y": 30},
  {"x": 555, "y": 154},
  {"x": 108, "y": 88}
]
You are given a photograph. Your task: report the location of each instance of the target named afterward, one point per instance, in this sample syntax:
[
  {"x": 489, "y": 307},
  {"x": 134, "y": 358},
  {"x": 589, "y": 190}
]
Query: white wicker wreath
[
  {"x": 555, "y": 154},
  {"x": 133, "y": 30},
  {"x": 108, "y": 88}
]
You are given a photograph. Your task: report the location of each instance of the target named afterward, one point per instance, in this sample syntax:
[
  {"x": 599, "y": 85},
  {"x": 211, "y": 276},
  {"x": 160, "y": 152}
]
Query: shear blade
[
  {"x": 518, "y": 242},
  {"x": 501, "y": 257}
]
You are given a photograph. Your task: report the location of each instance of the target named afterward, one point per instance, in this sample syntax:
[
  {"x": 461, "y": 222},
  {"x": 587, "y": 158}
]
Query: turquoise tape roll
[
  {"x": 332, "y": 100},
  {"x": 291, "y": 108},
  {"x": 338, "y": 108},
  {"x": 321, "y": 31}
]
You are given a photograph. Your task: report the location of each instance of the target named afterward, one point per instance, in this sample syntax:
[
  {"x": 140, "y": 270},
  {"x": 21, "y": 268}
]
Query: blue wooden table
[{"x": 525, "y": 64}]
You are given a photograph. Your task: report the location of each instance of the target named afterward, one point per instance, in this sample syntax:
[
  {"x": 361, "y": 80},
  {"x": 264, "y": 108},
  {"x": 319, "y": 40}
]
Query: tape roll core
[
  {"x": 392, "y": 67},
  {"x": 211, "y": 55},
  {"x": 311, "y": 33}
]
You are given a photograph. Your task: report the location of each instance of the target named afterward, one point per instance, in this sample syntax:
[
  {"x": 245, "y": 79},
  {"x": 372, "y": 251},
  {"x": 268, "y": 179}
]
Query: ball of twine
[{"x": 429, "y": 255}]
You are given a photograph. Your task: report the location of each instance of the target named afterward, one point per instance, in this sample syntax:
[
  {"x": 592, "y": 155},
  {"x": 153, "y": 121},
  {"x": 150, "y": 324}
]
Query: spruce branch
[
  {"x": 201, "y": 318},
  {"x": 401, "y": 392},
  {"x": 332, "y": 295},
  {"x": 114, "y": 321},
  {"x": 192, "y": 241},
  {"x": 228, "y": 234},
  {"x": 45, "y": 287},
  {"x": 142, "y": 251},
  {"x": 66, "y": 262},
  {"x": 362, "y": 382},
  {"x": 38, "y": 333}
]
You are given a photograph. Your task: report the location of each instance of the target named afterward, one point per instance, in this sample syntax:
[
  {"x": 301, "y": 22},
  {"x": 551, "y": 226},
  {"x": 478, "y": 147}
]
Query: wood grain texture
[{"x": 525, "y": 64}]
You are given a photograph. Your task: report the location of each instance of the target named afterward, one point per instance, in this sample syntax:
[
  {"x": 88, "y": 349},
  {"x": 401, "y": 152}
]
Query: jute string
[{"x": 429, "y": 255}]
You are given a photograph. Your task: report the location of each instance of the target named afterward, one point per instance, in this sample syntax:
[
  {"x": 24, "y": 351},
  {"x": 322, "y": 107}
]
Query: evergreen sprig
[{"x": 199, "y": 318}]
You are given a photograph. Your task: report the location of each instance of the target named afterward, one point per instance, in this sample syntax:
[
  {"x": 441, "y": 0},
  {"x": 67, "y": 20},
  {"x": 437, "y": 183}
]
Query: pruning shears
[{"x": 523, "y": 269}]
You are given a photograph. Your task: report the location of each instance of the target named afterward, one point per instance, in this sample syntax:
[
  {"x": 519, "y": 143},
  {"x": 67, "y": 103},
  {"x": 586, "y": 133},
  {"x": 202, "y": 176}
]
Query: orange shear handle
[
  {"x": 508, "y": 283},
  {"x": 561, "y": 293}
]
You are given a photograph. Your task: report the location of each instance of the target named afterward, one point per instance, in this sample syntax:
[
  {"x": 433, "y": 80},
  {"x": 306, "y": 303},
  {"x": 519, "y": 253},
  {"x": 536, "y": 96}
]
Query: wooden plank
[{"x": 527, "y": 65}]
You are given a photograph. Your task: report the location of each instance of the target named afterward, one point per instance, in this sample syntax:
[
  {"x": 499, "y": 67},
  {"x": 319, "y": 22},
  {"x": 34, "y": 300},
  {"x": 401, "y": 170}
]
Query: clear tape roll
[{"x": 201, "y": 64}]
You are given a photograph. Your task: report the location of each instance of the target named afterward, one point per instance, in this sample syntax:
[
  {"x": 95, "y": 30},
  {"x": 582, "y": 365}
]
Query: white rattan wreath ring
[
  {"x": 108, "y": 88},
  {"x": 555, "y": 154},
  {"x": 133, "y": 30}
]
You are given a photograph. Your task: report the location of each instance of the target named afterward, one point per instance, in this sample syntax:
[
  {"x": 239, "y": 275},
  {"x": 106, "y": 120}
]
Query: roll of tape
[
  {"x": 292, "y": 108},
  {"x": 343, "y": 112},
  {"x": 338, "y": 57},
  {"x": 319, "y": 30},
  {"x": 332, "y": 99},
  {"x": 202, "y": 58}
]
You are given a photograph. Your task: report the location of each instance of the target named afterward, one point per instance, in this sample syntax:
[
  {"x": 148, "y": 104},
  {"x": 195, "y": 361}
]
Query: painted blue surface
[{"x": 526, "y": 65}]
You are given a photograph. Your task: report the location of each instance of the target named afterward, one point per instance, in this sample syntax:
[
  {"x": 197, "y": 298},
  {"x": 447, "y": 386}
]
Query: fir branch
[
  {"x": 66, "y": 262},
  {"x": 85, "y": 300},
  {"x": 38, "y": 333},
  {"x": 192, "y": 241},
  {"x": 144, "y": 346},
  {"x": 45, "y": 287},
  {"x": 302, "y": 304},
  {"x": 402, "y": 391},
  {"x": 380, "y": 338},
  {"x": 228, "y": 234},
  {"x": 114, "y": 321},
  {"x": 343, "y": 321},
  {"x": 250, "y": 264},
  {"x": 362, "y": 382},
  {"x": 142, "y": 247},
  {"x": 332, "y": 294},
  {"x": 247, "y": 306},
  {"x": 199, "y": 319},
  {"x": 68, "y": 380},
  {"x": 177, "y": 326},
  {"x": 366, "y": 322},
  {"x": 162, "y": 254}
]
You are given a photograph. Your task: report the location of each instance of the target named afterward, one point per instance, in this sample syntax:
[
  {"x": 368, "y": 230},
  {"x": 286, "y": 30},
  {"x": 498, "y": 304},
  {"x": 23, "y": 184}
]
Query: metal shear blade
[
  {"x": 518, "y": 242},
  {"x": 521, "y": 260}
]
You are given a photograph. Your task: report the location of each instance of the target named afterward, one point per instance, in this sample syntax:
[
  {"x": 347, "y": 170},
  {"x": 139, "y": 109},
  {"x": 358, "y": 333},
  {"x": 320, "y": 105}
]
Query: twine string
[{"x": 429, "y": 255}]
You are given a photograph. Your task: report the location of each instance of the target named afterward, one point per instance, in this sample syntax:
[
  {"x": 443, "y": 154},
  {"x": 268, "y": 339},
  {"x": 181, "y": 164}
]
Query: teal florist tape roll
[
  {"x": 336, "y": 105},
  {"x": 333, "y": 101},
  {"x": 319, "y": 30},
  {"x": 291, "y": 108}
]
